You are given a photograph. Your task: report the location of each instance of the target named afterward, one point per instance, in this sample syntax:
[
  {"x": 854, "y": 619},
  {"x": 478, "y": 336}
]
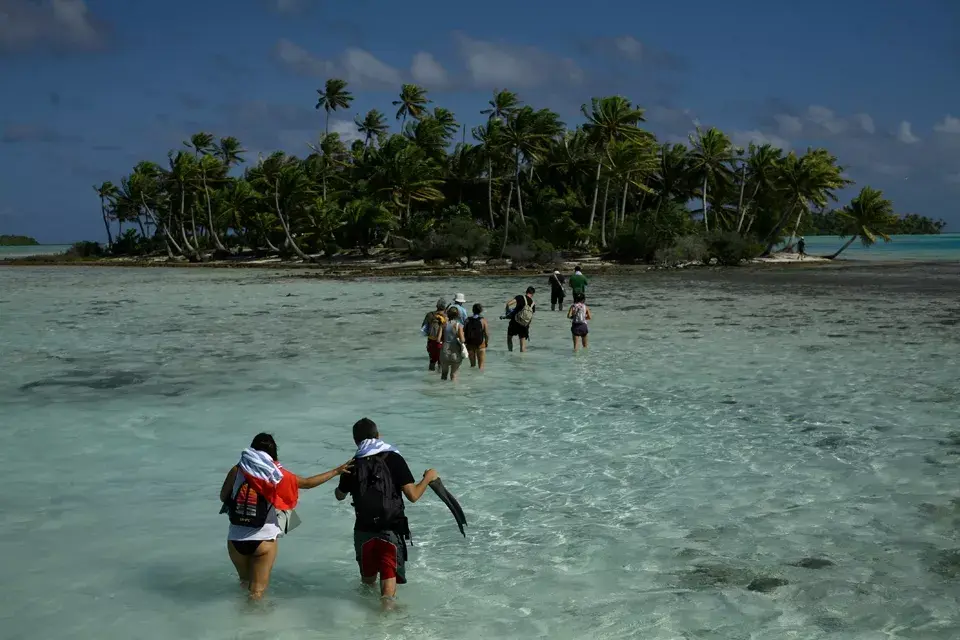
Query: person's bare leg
[
  {"x": 261, "y": 565},
  {"x": 242, "y": 565},
  {"x": 454, "y": 367},
  {"x": 574, "y": 344},
  {"x": 388, "y": 588},
  {"x": 481, "y": 358},
  {"x": 509, "y": 343},
  {"x": 472, "y": 353},
  {"x": 523, "y": 345},
  {"x": 584, "y": 341}
]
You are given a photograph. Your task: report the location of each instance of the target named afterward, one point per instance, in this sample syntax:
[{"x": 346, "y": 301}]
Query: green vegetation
[
  {"x": 833, "y": 223},
  {"x": 17, "y": 241},
  {"x": 525, "y": 187}
]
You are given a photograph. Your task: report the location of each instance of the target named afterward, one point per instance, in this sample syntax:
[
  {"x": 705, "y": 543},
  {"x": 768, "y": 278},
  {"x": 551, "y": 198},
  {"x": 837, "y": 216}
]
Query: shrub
[
  {"x": 729, "y": 248},
  {"x": 85, "y": 249},
  {"x": 641, "y": 242},
  {"x": 685, "y": 249},
  {"x": 460, "y": 240}
]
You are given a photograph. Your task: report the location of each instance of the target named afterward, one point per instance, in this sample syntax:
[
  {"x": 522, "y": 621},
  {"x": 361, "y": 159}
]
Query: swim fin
[{"x": 451, "y": 503}]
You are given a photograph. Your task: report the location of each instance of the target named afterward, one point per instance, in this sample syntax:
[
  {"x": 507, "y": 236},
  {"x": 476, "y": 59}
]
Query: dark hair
[
  {"x": 365, "y": 429},
  {"x": 477, "y": 309},
  {"x": 453, "y": 312},
  {"x": 577, "y": 268},
  {"x": 265, "y": 442},
  {"x": 531, "y": 290},
  {"x": 579, "y": 297}
]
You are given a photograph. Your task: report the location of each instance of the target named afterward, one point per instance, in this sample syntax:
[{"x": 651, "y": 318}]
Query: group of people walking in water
[
  {"x": 260, "y": 495},
  {"x": 454, "y": 336}
]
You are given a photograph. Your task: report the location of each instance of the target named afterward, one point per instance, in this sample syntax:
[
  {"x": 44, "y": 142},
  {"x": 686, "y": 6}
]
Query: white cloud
[
  {"x": 826, "y": 118},
  {"x": 59, "y": 24},
  {"x": 898, "y": 170},
  {"x": 744, "y": 138},
  {"x": 629, "y": 47},
  {"x": 949, "y": 125},
  {"x": 789, "y": 125},
  {"x": 905, "y": 134},
  {"x": 866, "y": 122},
  {"x": 492, "y": 65},
  {"x": 347, "y": 130},
  {"x": 427, "y": 71},
  {"x": 357, "y": 66},
  {"x": 300, "y": 60}
]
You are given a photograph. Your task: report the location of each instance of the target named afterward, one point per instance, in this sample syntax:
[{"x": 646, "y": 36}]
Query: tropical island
[
  {"x": 17, "y": 241},
  {"x": 522, "y": 188}
]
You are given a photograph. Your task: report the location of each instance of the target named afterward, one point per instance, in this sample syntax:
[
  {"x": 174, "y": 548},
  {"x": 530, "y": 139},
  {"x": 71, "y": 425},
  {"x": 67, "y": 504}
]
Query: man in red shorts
[{"x": 379, "y": 480}]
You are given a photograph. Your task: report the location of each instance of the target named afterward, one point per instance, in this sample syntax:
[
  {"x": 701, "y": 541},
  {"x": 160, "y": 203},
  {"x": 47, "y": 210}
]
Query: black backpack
[
  {"x": 377, "y": 501},
  {"x": 247, "y": 508},
  {"x": 473, "y": 332}
]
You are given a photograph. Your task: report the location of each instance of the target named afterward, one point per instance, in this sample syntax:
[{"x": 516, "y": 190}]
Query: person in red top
[{"x": 252, "y": 493}]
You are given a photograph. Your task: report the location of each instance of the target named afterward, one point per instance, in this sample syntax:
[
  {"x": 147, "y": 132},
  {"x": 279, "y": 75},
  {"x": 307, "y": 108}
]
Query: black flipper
[{"x": 451, "y": 503}]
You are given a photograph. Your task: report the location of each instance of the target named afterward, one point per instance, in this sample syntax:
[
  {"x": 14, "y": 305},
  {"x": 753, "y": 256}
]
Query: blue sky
[{"x": 92, "y": 87}]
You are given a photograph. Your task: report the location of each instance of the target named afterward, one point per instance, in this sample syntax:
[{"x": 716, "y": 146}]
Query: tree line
[{"x": 522, "y": 185}]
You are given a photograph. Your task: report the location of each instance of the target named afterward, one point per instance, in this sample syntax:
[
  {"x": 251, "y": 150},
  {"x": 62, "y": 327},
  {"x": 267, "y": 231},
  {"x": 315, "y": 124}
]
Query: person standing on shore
[
  {"x": 801, "y": 248},
  {"x": 556, "y": 291},
  {"x": 520, "y": 310},
  {"x": 476, "y": 334},
  {"x": 578, "y": 282},
  {"x": 432, "y": 328},
  {"x": 579, "y": 313},
  {"x": 380, "y": 481}
]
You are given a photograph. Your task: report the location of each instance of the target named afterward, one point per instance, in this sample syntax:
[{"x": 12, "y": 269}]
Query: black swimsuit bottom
[{"x": 246, "y": 547}]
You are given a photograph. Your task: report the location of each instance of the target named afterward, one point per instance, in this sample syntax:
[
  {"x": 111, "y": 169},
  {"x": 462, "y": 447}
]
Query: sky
[{"x": 91, "y": 87}]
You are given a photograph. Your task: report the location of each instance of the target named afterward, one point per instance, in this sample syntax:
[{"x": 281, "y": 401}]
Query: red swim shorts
[{"x": 433, "y": 348}]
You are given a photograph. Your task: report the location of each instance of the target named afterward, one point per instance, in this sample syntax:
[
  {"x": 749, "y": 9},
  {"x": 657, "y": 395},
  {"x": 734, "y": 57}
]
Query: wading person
[
  {"x": 432, "y": 328},
  {"x": 459, "y": 301},
  {"x": 252, "y": 494},
  {"x": 579, "y": 314},
  {"x": 578, "y": 282},
  {"x": 380, "y": 480},
  {"x": 476, "y": 334},
  {"x": 520, "y": 310},
  {"x": 556, "y": 291},
  {"x": 454, "y": 348}
]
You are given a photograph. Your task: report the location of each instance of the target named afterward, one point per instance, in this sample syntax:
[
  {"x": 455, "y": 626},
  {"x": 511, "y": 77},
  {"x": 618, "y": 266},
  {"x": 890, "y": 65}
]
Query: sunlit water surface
[{"x": 714, "y": 436}]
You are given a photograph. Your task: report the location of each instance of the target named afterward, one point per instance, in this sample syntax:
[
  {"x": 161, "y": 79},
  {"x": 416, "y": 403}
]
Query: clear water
[
  {"x": 717, "y": 430},
  {"x": 941, "y": 247},
  {"x": 7, "y": 253}
]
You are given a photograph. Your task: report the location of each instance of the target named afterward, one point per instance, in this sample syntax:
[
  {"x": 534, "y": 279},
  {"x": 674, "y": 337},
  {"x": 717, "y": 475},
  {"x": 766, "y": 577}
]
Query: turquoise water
[
  {"x": 7, "y": 253},
  {"x": 715, "y": 434},
  {"x": 913, "y": 248}
]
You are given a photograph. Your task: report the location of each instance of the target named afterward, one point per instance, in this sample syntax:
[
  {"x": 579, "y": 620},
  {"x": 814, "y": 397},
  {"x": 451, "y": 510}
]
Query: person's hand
[
  {"x": 345, "y": 467},
  {"x": 430, "y": 475}
]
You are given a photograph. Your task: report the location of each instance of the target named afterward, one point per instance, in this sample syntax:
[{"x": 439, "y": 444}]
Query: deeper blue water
[
  {"x": 941, "y": 247},
  {"x": 715, "y": 435}
]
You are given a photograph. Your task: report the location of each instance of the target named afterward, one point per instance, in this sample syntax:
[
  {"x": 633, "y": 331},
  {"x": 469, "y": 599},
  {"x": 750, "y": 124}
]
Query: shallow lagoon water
[{"x": 716, "y": 434}]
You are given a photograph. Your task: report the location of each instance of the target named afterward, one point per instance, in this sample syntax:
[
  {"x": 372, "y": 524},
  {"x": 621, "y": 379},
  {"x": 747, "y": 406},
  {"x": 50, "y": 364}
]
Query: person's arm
[
  {"x": 227, "y": 487},
  {"x": 589, "y": 317},
  {"x": 460, "y": 336},
  {"x": 570, "y": 312},
  {"x": 319, "y": 479},
  {"x": 486, "y": 333},
  {"x": 414, "y": 492}
]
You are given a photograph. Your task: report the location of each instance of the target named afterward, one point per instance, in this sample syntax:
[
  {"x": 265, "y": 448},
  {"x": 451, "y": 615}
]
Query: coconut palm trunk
[
  {"x": 771, "y": 238},
  {"x": 743, "y": 213},
  {"x": 286, "y": 227},
  {"x": 706, "y": 223},
  {"x": 490, "y": 191},
  {"x": 106, "y": 223},
  {"x": 603, "y": 219},
  {"x": 843, "y": 248},
  {"x": 506, "y": 221},
  {"x": 596, "y": 193},
  {"x": 213, "y": 230},
  {"x": 519, "y": 194},
  {"x": 743, "y": 184},
  {"x": 623, "y": 201}
]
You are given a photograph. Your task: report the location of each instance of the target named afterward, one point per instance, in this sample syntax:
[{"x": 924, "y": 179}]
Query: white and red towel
[{"x": 269, "y": 479}]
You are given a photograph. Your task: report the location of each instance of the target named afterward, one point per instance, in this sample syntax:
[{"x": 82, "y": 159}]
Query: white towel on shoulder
[
  {"x": 260, "y": 465},
  {"x": 372, "y": 447}
]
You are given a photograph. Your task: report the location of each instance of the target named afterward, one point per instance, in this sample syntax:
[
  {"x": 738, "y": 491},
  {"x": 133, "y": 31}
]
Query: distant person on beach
[
  {"x": 254, "y": 491},
  {"x": 520, "y": 310},
  {"x": 380, "y": 480},
  {"x": 801, "y": 248},
  {"x": 578, "y": 282},
  {"x": 556, "y": 291},
  {"x": 579, "y": 313},
  {"x": 452, "y": 352},
  {"x": 476, "y": 335},
  {"x": 432, "y": 328},
  {"x": 458, "y": 301}
]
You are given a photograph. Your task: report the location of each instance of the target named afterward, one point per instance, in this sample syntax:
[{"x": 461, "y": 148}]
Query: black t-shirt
[
  {"x": 556, "y": 283},
  {"x": 401, "y": 475},
  {"x": 522, "y": 301}
]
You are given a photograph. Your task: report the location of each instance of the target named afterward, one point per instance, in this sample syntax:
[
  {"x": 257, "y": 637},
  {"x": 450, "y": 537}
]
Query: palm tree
[
  {"x": 107, "y": 192},
  {"x": 526, "y": 134},
  {"x": 373, "y": 125},
  {"x": 490, "y": 137},
  {"x": 229, "y": 151},
  {"x": 711, "y": 158},
  {"x": 762, "y": 170},
  {"x": 503, "y": 105},
  {"x": 413, "y": 101},
  {"x": 610, "y": 120},
  {"x": 180, "y": 178},
  {"x": 333, "y": 96},
  {"x": 869, "y": 216}
]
